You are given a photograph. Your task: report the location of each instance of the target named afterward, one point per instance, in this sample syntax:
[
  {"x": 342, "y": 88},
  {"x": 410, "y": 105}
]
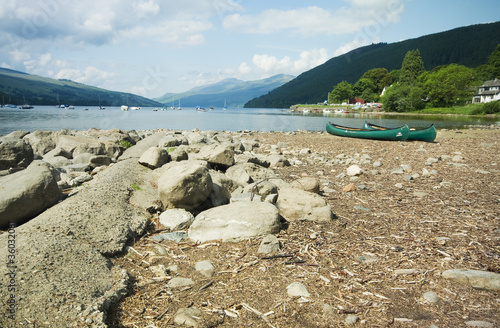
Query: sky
[{"x": 153, "y": 47}]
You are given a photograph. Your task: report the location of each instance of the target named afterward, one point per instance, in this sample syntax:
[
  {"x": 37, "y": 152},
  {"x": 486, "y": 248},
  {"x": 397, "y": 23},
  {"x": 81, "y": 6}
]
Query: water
[{"x": 260, "y": 119}]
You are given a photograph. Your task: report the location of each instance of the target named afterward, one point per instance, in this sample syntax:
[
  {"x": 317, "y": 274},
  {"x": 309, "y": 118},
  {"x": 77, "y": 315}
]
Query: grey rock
[
  {"x": 27, "y": 193},
  {"x": 354, "y": 170},
  {"x": 351, "y": 319},
  {"x": 41, "y": 141},
  {"x": 276, "y": 160},
  {"x": 222, "y": 187},
  {"x": 176, "y": 219},
  {"x": 479, "y": 324},
  {"x": 179, "y": 154},
  {"x": 246, "y": 173},
  {"x": 431, "y": 297},
  {"x": 100, "y": 160},
  {"x": 270, "y": 244},
  {"x": 299, "y": 205},
  {"x": 176, "y": 236},
  {"x": 310, "y": 184},
  {"x": 475, "y": 278},
  {"x": 217, "y": 155},
  {"x": 154, "y": 157},
  {"x": 188, "y": 317},
  {"x": 206, "y": 268},
  {"x": 235, "y": 221},
  {"x": 14, "y": 152},
  {"x": 179, "y": 282},
  {"x": 297, "y": 289},
  {"x": 185, "y": 184}
]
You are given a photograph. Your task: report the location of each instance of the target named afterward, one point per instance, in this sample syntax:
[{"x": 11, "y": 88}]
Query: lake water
[{"x": 258, "y": 119}]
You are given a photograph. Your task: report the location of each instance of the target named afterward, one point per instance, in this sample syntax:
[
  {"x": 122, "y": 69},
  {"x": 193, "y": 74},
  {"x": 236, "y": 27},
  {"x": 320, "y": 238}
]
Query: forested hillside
[{"x": 469, "y": 46}]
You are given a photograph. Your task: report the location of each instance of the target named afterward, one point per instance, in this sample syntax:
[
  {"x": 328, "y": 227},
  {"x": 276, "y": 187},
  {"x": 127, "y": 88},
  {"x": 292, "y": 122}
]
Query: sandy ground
[{"x": 388, "y": 245}]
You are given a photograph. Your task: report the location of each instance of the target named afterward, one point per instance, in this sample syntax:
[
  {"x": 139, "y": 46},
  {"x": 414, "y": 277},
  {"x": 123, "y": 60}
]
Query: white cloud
[
  {"x": 146, "y": 8},
  {"x": 244, "y": 68},
  {"x": 356, "y": 43},
  {"x": 272, "y": 65},
  {"x": 313, "y": 20},
  {"x": 90, "y": 75}
]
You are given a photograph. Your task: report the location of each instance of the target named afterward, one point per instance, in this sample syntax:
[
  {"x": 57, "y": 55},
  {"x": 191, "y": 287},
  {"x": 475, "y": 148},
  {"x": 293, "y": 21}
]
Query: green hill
[
  {"x": 18, "y": 88},
  {"x": 235, "y": 92},
  {"x": 469, "y": 46}
]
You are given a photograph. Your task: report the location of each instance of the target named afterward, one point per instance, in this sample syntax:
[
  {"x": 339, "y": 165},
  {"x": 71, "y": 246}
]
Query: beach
[{"x": 412, "y": 224}]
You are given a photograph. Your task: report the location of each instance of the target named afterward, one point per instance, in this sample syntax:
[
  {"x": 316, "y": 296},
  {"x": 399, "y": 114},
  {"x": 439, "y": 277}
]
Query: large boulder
[
  {"x": 217, "y": 155},
  {"x": 80, "y": 144},
  {"x": 41, "y": 141},
  {"x": 154, "y": 157},
  {"x": 222, "y": 187},
  {"x": 300, "y": 205},
  {"x": 235, "y": 221},
  {"x": 246, "y": 173},
  {"x": 14, "y": 152},
  {"x": 27, "y": 193},
  {"x": 185, "y": 184}
]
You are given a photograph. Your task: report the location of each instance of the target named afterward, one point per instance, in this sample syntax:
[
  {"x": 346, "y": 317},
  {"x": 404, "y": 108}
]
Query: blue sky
[{"x": 151, "y": 47}]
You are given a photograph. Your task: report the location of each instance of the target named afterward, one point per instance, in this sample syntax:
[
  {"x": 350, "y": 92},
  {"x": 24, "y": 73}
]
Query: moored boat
[
  {"x": 421, "y": 134},
  {"x": 389, "y": 134}
]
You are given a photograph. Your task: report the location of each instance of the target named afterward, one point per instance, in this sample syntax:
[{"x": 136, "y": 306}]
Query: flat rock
[
  {"x": 299, "y": 205},
  {"x": 310, "y": 184},
  {"x": 235, "y": 221},
  {"x": 14, "y": 152},
  {"x": 297, "y": 289},
  {"x": 475, "y": 278},
  {"x": 188, "y": 317},
  {"x": 270, "y": 244},
  {"x": 176, "y": 219},
  {"x": 154, "y": 157}
]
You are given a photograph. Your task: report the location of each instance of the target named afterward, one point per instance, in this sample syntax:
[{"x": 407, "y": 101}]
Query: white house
[{"x": 489, "y": 91}]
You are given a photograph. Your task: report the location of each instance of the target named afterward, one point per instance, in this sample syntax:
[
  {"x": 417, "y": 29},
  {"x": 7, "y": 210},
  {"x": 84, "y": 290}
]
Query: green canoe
[
  {"x": 387, "y": 134},
  {"x": 423, "y": 134}
]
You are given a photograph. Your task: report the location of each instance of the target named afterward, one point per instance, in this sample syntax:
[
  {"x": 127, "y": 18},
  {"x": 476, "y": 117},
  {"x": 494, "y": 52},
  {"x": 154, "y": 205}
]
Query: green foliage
[
  {"x": 412, "y": 67},
  {"x": 469, "y": 46},
  {"x": 343, "y": 91},
  {"x": 492, "y": 107},
  {"x": 403, "y": 98},
  {"x": 494, "y": 62},
  {"x": 380, "y": 78},
  {"x": 135, "y": 186},
  {"x": 125, "y": 144},
  {"x": 449, "y": 85}
]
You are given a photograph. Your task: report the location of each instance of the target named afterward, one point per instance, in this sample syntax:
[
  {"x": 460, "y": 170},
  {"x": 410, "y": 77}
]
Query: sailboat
[
  {"x": 225, "y": 107},
  {"x": 179, "y": 108}
]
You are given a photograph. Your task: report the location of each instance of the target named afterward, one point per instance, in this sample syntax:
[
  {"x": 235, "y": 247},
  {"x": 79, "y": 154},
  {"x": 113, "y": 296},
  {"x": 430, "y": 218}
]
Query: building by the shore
[{"x": 489, "y": 91}]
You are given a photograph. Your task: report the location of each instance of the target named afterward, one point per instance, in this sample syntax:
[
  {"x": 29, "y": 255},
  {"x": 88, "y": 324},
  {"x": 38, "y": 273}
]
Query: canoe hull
[
  {"x": 426, "y": 134},
  {"x": 398, "y": 134}
]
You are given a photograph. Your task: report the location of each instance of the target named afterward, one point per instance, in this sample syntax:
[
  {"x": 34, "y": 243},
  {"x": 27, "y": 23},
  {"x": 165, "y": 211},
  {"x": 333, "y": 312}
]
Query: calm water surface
[{"x": 258, "y": 119}]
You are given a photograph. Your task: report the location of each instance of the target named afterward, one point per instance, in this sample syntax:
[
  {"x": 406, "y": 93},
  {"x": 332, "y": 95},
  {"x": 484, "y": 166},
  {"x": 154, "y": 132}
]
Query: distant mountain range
[
  {"x": 21, "y": 88},
  {"x": 233, "y": 92},
  {"x": 469, "y": 46}
]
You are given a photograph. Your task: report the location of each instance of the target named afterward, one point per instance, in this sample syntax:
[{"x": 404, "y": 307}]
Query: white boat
[
  {"x": 306, "y": 111},
  {"x": 124, "y": 108},
  {"x": 326, "y": 111},
  {"x": 225, "y": 107},
  {"x": 135, "y": 108},
  {"x": 179, "y": 108}
]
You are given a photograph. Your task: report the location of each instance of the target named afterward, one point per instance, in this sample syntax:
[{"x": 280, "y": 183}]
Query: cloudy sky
[{"x": 151, "y": 47}]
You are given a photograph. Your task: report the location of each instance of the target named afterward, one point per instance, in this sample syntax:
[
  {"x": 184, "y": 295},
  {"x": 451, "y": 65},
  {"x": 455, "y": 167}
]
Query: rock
[
  {"x": 278, "y": 160},
  {"x": 354, "y": 170},
  {"x": 270, "y": 244},
  {"x": 431, "y": 297},
  {"x": 458, "y": 158},
  {"x": 154, "y": 157},
  {"x": 249, "y": 172},
  {"x": 405, "y": 271},
  {"x": 377, "y": 164},
  {"x": 298, "y": 205},
  {"x": 100, "y": 160},
  {"x": 309, "y": 184},
  {"x": 349, "y": 188},
  {"x": 176, "y": 236},
  {"x": 80, "y": 179},
  {"x": 479, "y": 324},
  {"x": 367, "y": 259},
  {"x": 351, "y": 319},
  {"x": 245, "y": 197},
  {"x": 171, "y": 141},
  {"x": 262, "y": 188},
  {"x": 222, "y": 187},
  {"x": 41, "y": 141},
  {"x": 206, "y": 268},
  {"x": 235, "y": 221},
  {"x": 27, "y": 193},
  {"x": 188, "y": 317},
  {"x": 179, "y": 282},
  {"x": 176, "y": 219},
  {"x": 185, "y": 184},
  {"x": 83, "y": 158},
  {"x": 81, "y": 144},
  {"x": 475, "y": 278},
  {"x": 15, "y": 152},
  {"x": 159, "y": 270},
  {"x": 297, "y": 289},
  {"x": 179, "y": 154},
  {"x": 217, "y": 155}
]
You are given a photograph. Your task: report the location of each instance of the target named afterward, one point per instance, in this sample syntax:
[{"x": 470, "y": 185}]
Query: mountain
[
  {"x": 234, "y": 91},
  {"x": 19, "y": 88},
  {"x": 469, "y": 46}
]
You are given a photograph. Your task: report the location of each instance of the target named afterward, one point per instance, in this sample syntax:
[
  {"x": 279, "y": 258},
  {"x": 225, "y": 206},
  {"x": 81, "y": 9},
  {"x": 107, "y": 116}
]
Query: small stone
[
  {"x": 351, "y": 319},
  {"x": 399, "y": 185},
  {"x": 159, "y": 270},
  {"x": 431, "y": 297},
  {"x": 270, "y": 244},
  {"x": 354, "y": 170},
  {"x": 480, "y": 324},
  {"x": 297, "y": 289},
  {"x": 350, "y": 187},
  {"x": 188, "y": 317},
  {"x": 178, "y": 282},
  {"x": 161, "y": 250},
  {"x": 377, "y": 164},
  {"x": 206, "y": 268},
  {"x": 405, "y": 271},
  {"x": 176, "y": 236}
]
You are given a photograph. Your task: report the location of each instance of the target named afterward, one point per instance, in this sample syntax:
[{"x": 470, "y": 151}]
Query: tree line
[{"x": 412, "y": 88}]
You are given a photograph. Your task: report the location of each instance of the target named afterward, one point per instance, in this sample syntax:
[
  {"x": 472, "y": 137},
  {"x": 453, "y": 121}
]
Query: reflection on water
[{"x": 259, "y": 119}]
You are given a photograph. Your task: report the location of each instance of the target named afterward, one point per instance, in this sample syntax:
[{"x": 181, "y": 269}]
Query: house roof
[
  {"x": 492, "y": 83},
  {"x": 489, "y": 92}
]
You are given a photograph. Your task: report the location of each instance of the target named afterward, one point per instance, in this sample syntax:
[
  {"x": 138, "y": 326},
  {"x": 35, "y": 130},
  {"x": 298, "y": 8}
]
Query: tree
[
  {"x": 449, "y": 85},
  {"x": 403, "y": 98},
  {"x": 412, "y": 67},
  {"x": 380, "y": 78},
  {"x": 494, "y": 62},
  {"x": 341, "y": 92}
]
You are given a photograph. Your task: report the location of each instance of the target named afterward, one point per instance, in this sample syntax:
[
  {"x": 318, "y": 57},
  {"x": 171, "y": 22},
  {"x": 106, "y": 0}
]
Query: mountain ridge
[{"x": 469, "y": 46}]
